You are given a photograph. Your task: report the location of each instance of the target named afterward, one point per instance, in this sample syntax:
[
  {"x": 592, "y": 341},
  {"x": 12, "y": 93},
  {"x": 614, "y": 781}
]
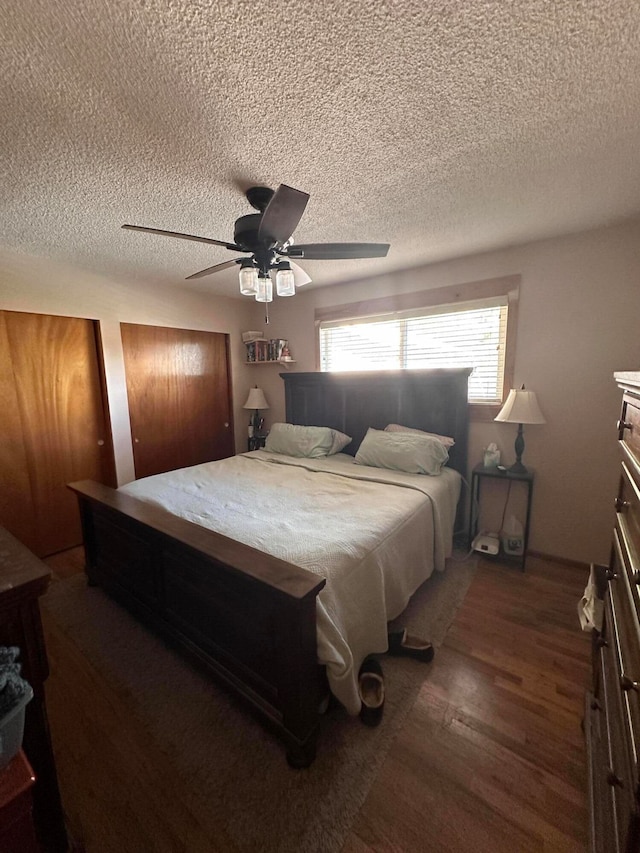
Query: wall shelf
[
  {"x": 267, "y": 351},
  {"x": 273, "y": 361}
]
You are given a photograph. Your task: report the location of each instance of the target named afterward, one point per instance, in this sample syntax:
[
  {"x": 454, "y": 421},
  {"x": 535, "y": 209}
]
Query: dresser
[
  {"x": 23, "y": 579},
  {"x": 612, "y": 713}
]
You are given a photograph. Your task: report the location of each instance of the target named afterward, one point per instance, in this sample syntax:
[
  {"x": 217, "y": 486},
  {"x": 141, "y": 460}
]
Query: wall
[
  {"x": 578, "y": 323},
  {"x": 37, "y": 285}
]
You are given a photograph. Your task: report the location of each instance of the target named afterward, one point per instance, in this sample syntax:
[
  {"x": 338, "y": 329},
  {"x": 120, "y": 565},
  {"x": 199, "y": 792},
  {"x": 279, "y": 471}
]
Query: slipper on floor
[
  {"x": 401, "y": 643},
  {"x": 371, "y": 689}
]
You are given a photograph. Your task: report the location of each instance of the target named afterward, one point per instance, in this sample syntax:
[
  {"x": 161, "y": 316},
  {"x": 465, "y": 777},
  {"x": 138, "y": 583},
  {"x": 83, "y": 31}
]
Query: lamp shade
[
  {"x": 521, "y": 407},
  {"x": 256, "y": 399}
]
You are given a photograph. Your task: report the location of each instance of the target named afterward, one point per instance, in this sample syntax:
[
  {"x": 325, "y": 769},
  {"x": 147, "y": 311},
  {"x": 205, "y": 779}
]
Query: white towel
[{"x": 590, "y": 607}]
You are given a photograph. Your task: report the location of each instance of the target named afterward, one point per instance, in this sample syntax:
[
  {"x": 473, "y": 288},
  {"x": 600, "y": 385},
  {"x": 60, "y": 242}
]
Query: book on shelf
[{"x": 265, "y": 350}]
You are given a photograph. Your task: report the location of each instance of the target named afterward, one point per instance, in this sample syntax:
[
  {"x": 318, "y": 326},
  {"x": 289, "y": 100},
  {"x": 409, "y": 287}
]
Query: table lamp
[
  {"x": 521, "y": 407},
  {"x": 256, "y": 401}
]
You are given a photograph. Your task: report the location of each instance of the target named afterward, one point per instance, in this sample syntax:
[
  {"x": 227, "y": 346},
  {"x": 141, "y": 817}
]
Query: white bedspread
[{"x": 375, "y": 535}]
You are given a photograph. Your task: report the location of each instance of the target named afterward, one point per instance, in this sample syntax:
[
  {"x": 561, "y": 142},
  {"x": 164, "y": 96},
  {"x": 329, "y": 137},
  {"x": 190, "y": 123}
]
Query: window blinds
[{"x": 461, "y": 336}]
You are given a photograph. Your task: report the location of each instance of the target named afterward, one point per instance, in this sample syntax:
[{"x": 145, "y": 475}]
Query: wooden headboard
[{"x": 431, "y": 400}]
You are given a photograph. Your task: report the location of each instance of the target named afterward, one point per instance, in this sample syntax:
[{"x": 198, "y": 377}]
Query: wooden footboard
[{"x": 247, "y": 617}]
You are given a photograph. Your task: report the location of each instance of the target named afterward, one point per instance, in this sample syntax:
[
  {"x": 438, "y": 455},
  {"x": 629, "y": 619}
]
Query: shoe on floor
[
  {"x": 401, "y": 643},
  {"x": 371, "y": 689}
]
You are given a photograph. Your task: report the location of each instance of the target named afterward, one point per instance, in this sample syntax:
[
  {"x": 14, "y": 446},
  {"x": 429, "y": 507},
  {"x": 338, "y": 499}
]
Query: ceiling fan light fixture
[
  {"x": 285, "y": 280},
  {"x": 267, "y": 235},
  {"x": 264, "y": 293},
  {"x": 248, "y": 278}
]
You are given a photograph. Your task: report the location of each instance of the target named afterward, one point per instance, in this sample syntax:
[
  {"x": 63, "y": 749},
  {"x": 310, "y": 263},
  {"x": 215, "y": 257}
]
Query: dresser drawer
[
  {"x": 629, "y": 426},
  {"x": 623, "y": 637},
  {"x": 620, "y": 777},
  {"x": 602, "y": 830},
  {"x": 628, "y": 507}
]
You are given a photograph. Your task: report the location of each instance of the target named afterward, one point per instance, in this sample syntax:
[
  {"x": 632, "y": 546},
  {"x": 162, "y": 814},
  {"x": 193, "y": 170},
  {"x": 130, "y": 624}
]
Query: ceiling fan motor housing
[
  {"x": 245, "y": 235},
  {"x": 245, "y": 232}
]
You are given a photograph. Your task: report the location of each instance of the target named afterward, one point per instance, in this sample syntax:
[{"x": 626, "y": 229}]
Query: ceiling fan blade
[
  {"x": 193, "y": 237},
  {"x": 337, "y": 251},
  {"x": 300, "y": 277},
  {"x": 216, "y": 268},
  {"x": 282, "y": 214}
]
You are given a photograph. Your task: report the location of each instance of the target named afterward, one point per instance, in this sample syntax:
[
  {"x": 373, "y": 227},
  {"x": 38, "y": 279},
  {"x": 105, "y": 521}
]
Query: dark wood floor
[{"x": 491, "y": 757}]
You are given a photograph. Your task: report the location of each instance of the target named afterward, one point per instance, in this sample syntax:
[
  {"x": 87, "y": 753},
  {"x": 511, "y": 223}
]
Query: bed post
[{"x": 302, "y": 678}]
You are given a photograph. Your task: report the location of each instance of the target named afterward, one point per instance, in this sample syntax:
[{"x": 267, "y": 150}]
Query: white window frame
[{"x": 478, "y": 294}]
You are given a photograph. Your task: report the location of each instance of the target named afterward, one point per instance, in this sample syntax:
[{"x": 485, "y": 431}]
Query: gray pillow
[
  {"x": 305, "y": 441},
  {"x": 402, "y": 451}
]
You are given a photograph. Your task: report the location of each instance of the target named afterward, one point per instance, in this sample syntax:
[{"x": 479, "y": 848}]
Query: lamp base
[{"x": 518, "y": 467}]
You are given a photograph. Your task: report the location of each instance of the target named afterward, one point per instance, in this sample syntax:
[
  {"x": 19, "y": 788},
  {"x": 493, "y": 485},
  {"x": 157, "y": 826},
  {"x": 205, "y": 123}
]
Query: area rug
[{"x": 235, "y": 770}]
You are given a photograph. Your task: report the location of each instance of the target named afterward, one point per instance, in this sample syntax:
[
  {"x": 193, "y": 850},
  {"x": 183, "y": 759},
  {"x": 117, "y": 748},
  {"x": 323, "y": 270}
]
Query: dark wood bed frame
[{"x": 247, "y": 617}]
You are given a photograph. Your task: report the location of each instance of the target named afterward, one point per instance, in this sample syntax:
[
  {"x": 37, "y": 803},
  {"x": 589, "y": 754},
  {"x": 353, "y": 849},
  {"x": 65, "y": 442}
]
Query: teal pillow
[
  {"x": 309, "y": 441},
  {"x": 402, "y": 451}
]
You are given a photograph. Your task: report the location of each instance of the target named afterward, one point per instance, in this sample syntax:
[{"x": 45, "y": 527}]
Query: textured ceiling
[{"x": 443, "y": 128}]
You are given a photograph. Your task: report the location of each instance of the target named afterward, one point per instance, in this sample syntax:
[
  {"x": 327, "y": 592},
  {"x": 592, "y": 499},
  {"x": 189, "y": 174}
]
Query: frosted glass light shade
[
  {"x": 285, "y": 280},
  {"x": 256, "y": 399},
  {"x": 521, "y": 407},
  {"x": 248, "y": 280},
  {"x": 264, "y": 292}
]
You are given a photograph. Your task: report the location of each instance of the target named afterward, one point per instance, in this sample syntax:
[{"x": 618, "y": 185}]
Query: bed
[{"x": 254, "y": 595}]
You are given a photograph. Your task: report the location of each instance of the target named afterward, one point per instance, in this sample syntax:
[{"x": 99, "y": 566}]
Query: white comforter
[{"x": 375, "y": 535}]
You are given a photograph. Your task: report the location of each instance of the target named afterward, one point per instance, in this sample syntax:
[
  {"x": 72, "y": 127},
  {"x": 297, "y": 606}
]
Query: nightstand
[
  {"x": 257, "y": 441},
  {"x": 480, "y": 474},
  {"x": 17, "y": 834}
]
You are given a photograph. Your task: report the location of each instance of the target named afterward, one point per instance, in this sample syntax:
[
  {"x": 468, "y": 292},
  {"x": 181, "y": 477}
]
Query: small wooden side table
[
  {"x": 17, "y": 834},
  {"x": 257, "y": 441}
]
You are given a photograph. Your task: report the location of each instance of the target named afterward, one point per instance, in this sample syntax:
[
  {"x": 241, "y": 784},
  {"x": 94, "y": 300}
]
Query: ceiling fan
[{"x": 266, "y": 236}]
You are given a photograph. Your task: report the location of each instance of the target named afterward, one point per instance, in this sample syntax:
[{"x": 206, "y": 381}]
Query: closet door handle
[
  {"x": 622, "y": 425},
  {"x": 621, "y": 504},
  {"x": 611, "y": 575}
]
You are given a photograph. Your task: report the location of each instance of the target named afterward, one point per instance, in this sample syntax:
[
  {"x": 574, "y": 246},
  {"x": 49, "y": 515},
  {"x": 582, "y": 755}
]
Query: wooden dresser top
[
  {"x": 20, "y": 570},
  {"x": 628, "y": 378}
]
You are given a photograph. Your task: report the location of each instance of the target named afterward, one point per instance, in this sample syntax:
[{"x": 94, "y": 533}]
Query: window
[{"x": 474, "y": 332}]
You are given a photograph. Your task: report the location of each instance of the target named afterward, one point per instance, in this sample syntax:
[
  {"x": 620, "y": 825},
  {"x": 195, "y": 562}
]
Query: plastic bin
[{"x": 12, "y": 729}]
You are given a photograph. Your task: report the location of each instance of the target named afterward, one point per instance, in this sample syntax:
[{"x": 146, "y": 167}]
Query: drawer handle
[
  {"x": 628, "y": 683},
  {"x": 622, "y": 425},
  {"x": 620, "y": 504},
  {"x": 614, "y": 780}
]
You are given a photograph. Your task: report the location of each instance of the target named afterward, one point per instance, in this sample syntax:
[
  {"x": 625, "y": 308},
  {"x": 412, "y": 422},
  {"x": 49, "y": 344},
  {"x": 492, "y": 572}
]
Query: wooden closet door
[
  {"x": 178, "y": 386},
  {"x": 17, "y": 512},
  {"x": 57, "y": 405}
]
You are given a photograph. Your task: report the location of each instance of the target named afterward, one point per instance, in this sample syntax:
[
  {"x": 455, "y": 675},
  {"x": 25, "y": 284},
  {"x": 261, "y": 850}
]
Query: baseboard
[{"x": 565, "y": 561}]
